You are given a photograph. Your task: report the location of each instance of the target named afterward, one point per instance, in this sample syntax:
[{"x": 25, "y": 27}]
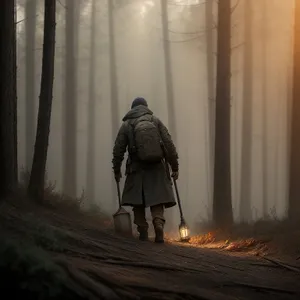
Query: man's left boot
[{"x": 143, "y": 235}]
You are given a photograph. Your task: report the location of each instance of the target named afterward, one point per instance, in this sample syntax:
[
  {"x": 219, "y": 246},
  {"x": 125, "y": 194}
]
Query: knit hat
[{"x": 139, "y": 101}]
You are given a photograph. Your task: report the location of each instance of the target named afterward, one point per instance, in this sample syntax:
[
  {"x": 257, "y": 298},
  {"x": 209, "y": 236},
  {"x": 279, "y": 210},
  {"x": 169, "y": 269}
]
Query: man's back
[
  {"x": 144, "y": 186},
  {"x": 142, "y": 113}
]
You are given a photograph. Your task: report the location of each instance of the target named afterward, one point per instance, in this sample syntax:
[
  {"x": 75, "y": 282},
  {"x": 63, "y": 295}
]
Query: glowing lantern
[{"x": 184, "y": 231}]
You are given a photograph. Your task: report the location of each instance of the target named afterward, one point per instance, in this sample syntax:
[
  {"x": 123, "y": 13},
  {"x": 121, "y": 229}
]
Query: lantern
[
  {"x": 122, "y": 222},
  {"x": 184, "y": 231}
]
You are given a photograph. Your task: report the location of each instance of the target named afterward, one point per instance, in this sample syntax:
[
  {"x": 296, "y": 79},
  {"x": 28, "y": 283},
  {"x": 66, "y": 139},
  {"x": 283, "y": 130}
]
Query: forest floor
[{"x": 67, "y": 254}]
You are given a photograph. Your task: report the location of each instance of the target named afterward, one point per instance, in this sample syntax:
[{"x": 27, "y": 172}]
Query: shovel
[
  {"x": 122, "y": 218},
  {"x": 183, "y": 228}
]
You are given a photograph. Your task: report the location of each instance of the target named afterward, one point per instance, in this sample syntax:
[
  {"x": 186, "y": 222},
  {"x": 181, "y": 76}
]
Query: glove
[
  {"x": 118, "y": 176},
  {"x": 175, "y": 175}
]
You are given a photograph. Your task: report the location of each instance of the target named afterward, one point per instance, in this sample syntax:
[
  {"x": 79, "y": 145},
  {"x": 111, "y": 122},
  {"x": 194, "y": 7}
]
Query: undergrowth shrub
[
  {"x": 54, "y": 198},
  {"x": 27, "y": 272},
  {"x": 45, "y": 235}
]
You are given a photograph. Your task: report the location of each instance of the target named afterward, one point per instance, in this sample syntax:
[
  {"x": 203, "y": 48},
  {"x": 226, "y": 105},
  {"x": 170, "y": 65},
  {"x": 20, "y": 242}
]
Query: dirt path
[
  {"x": 149, "y": 271},
  {"x": 112, "y": 267}
]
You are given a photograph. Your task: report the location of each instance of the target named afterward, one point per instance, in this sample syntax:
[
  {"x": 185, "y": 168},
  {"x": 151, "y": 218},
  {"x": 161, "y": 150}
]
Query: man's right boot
[{"x": 159, "y": 234}]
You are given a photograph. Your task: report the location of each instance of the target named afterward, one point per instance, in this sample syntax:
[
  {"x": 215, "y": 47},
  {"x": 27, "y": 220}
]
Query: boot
[
  {"x": 143, "y": 235},
  {"x": 159, "y": 234}
]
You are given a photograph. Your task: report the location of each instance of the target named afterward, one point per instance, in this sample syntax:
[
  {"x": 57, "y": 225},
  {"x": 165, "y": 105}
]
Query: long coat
[{"x": 146, "y": 185}]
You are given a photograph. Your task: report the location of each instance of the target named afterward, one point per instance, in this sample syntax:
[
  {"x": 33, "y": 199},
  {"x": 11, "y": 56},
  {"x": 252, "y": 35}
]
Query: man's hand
[
  {"x": 175, "y": 175},
  {"x": 118, "y": 176}
]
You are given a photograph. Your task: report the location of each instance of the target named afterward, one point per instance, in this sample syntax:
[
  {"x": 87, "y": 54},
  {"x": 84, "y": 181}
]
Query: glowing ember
[
  {"x": 210, "y": 240},
  {"x": 242, "y": 245},
  {"x": 203, "y": 239}
]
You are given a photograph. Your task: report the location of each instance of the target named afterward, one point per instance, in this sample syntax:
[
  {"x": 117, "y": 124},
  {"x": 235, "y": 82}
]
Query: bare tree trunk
[
  {"x": 222, "y": 206},
  {"x": 210, "y": 71},
  {"x": 114, "y": 95},
  {"x": 113, "y": 71},
  {"x": 210, "y": 67},
  {"x": 169, "y": 86},
  {"x": 168, "y": 70},
  {"x": 37, "y": 178},
  {"x": 264, "y": 112},
  {"x": 294, "y": 187},
  {"x": 289, "y": 97},
  {"x": 70, "y": 108},
  {"x": 245, "y": 198},
  {"x": 15, "y": 109},
  {"x": 30, "y": 25},
  {"x": 8, "y": 159},
  {"x": 90, "y": 177}
]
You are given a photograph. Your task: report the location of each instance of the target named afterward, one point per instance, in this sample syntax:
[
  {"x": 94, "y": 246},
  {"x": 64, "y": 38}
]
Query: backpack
[{"x": 146, "y": 140}]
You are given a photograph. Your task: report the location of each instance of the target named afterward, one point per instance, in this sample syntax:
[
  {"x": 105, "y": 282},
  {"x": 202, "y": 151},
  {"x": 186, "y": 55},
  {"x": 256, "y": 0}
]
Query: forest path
[
  {"x": 173, "y": 271},
  {"x": 114, "y": 267}
]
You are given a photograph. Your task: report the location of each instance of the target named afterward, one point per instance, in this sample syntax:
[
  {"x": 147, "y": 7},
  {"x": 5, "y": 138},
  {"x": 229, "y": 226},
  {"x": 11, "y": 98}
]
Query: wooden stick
[{"x": 281, "y": 264}]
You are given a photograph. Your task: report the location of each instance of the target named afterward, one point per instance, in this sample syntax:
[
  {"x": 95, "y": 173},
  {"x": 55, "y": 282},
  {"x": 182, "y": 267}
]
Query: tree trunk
[
  {"x": 289, "y": 97},
  {"x": 8, "y": 158},
  {"x": 210, "y": 71},
  {"x": 168, "y": 70},
  {"x": 37, "y": 178},
  {"x": 113, "y": 71},
  {"x": 70, "y": 108},
  {"x": 15, "y": 108},
  {"x": 246, "y": 163},
  {"x": 264, "y": 112},
  {"x": 222, "y": 206},
  {"x": 294, "y": 187},
  {"x": 30, "y": 25},
  {"x": 90, "y": 175},
  {"x": 114, "y": 97},
  {"x": 169, "y": 86}
]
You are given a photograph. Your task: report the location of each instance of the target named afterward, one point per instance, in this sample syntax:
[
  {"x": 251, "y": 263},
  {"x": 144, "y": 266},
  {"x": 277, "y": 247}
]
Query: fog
[{"x": 140, "y": 71}]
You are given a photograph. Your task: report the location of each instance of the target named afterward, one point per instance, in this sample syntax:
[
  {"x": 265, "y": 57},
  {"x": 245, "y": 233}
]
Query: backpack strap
[
  {"x": 154, "y": 120},
  {"x": 132, "y": 146}
]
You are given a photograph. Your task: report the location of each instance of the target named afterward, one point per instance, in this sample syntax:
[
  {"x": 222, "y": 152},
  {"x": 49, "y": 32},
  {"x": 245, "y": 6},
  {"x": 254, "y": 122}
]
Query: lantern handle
[
  {"x": 178, "y": 200},
  {"x": 119, "y": 193}
]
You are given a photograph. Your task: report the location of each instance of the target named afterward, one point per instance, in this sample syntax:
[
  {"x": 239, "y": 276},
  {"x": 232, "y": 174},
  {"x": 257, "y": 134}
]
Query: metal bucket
[{"x": 122, "y": 222}]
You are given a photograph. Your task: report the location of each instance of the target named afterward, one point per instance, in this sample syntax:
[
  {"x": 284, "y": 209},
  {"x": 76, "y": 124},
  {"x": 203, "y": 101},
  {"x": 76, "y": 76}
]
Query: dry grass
[
  {"x": 204, "y": 239},
  {"x": 271, "y": 236},
  {"x": 58, "y": 201}
]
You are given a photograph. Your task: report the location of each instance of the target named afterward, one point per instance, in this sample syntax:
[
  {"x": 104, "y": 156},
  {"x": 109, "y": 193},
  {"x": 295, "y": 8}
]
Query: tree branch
[
  {"x": 235, "y": 6},
  {"x": 20, "y": 21},
  {"x": 280, "y": 264},
  {"x": 64, "y": 6},
  {"x": 237, "y": 46},
  {"x": 185, "y": 41},
  {"x": 193, "y": 32},
  {"x": 182, "y": 4}
]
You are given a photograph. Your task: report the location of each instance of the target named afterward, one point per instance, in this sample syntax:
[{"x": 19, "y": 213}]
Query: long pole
[
  {"x": 178, "y": 200},
  {"x": 119, "y": 193}
]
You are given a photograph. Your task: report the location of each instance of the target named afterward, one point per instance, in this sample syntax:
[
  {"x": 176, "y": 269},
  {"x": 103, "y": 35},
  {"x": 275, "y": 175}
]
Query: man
[{"x": 148, "y": 182}]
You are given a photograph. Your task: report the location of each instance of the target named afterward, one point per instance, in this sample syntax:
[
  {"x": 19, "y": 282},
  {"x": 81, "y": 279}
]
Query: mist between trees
[{"x": 221, "y": 74}]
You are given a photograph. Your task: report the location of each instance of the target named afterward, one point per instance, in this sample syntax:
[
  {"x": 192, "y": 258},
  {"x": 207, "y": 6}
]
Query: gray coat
[{"x": 145, "y": 185}]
